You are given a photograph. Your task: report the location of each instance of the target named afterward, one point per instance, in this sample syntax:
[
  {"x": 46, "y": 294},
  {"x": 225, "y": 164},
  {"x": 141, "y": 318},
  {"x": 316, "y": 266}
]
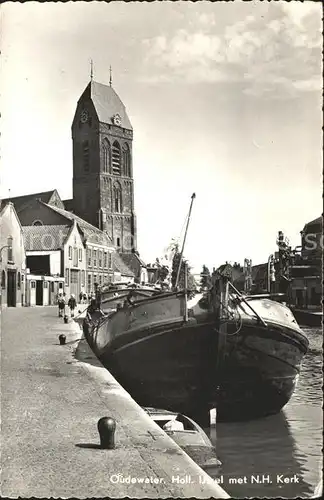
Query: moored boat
[
  {"x": 169, "y": 355},
  {"x": 188, "y": 435}
]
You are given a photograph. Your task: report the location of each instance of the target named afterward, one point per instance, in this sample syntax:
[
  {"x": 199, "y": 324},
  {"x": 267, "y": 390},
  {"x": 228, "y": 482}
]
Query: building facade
[
  {"x": 12, "y": 258},
  {"x": 103, "y": 185},
  {"x": 307, "y": 269}
]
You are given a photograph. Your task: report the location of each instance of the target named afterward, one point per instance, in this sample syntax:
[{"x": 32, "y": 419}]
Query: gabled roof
[
  {"x": 6, "y": 206},
  {"x": 107, "y": 104},
  {"x": 21, "y": 202},
  {"x": 132, "y": 260},
  {"x": 120, "y": 266},
  {"x": 316, "y": 222},
  {"x": 91, "y": 233},
  {"x": 68, "y": 205},
  {"x": 45, "y": 237}
]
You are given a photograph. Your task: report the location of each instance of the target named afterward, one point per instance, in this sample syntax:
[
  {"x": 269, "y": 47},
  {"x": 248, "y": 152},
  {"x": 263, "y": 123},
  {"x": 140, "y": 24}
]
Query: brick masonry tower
[{"x": 103, "y": 185}]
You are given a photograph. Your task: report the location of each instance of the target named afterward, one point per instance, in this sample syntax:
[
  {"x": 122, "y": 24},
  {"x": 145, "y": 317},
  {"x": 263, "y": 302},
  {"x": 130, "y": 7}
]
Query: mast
[{"x": 193, "y": 196}]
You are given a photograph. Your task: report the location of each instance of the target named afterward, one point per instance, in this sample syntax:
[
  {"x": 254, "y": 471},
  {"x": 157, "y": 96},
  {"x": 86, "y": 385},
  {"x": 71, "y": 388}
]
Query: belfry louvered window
[
  {"x": 116, "y": 159},
  {"x": 126, "y": 160},
  {"x": 117, "y": 198},
  {"x": 106, "y": 156},
  {"x": 86, "y": 156}
]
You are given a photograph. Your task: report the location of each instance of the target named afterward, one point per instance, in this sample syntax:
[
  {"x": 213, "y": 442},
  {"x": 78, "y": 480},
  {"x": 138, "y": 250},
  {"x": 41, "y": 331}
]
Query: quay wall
[
  {"x": 52, "y": 397},
  {"x": 176, "y": 474}
]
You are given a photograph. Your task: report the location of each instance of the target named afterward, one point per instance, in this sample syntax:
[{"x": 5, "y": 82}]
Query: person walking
[
  {"x": 72, "y": 304},
  {"x": 61, "y": 305},
  {"x": 81, "y": 297}
]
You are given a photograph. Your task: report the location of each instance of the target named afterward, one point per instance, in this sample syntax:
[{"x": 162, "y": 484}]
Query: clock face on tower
[
  {"x": 117, "y": 119},
  {"x": 84, "y": 116}
]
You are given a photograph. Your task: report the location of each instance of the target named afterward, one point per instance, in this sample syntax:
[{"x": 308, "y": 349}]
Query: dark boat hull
[
  {"x": 260, "y": 373},
  {"x": 172, "y": 363},
  {"x": 308, "y": 317}
]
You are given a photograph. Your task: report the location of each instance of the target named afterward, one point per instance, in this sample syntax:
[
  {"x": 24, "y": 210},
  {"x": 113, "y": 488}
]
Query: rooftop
[
  {"x": 42, "y": 238},
  {"x": 107, "y": 104},
  {"x": 21, "y": 202},
  {"x": 91, "y": 233}
]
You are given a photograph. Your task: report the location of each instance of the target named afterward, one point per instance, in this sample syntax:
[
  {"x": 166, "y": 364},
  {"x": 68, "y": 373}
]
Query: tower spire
[
  {"x": 110, "y": 76},
  {"x": 91, "y": 69}
]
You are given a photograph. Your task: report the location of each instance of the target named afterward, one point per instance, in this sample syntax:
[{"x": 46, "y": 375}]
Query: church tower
[{"x": 103, "y": 185}]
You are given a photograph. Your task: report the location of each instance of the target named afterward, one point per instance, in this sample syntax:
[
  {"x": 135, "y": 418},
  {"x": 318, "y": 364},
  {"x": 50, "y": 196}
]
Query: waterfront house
[
  {"x": 48, "y": 224},
  {"x": 12, "y": 258},
  {"x": 55, "y": 260}
]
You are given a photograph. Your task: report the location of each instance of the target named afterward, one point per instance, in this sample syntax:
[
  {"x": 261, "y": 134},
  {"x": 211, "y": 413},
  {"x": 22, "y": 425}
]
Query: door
[
  {"x": 74, "y": 285},
  {"x": 45, "y": 293},
  {"x": 39, "y": 293},
  {"x": 32, "y": 288},
  {"x": 12, "y": 288}
]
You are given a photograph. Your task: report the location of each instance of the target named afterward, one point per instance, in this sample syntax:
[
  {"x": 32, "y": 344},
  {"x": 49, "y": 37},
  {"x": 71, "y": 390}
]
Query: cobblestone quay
[{"x": 52, "y": 397}]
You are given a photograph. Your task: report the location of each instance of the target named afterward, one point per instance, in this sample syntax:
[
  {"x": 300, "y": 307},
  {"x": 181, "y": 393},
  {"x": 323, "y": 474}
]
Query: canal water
[{"x": 285, "y": 445}]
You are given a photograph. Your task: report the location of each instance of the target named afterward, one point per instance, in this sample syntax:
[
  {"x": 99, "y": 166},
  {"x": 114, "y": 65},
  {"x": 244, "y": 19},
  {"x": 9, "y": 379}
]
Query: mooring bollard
[
  {"x": 62, "y": 339},
  {"x": 66, "y": 319},
  {"x": 107, "y": 428}
]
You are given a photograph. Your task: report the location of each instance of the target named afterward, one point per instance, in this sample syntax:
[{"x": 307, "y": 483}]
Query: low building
[
  {"x": 56, "y": 260},
  {"x": 137, "y": 265},
  {"x": 101, "y": 263},
  {"x": 12, "y": 258}
]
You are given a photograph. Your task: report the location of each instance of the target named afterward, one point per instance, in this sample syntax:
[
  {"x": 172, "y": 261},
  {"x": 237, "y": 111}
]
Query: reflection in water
[{"x": 287, "y": 444}]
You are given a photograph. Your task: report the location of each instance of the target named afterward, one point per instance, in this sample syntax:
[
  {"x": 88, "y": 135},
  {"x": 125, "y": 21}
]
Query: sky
[{"x": 224, "y": 99}]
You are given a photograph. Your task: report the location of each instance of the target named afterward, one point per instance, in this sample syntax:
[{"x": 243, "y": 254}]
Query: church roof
[
  {"x": 92, "y": 233},
  {"x": 21, "y": 202},
  {"x": 68, "y": 205},
  {"x": 107, "y": 104}
]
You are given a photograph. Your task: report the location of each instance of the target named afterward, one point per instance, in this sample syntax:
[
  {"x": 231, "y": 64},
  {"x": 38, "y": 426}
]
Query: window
[
  {"x": 37, "y": 222},
  {"x": 94, "y": 280},
  {"x": 118, "y": 242},
  {"x": 95, "y": 258},
  {"x": 89, "y": 283},
  {"x": 75, "y": 257},
  {"x": 70, "y": 253},
  {"x": 74, "y": 277},
  {"x": 67, "y": 277},
  {"x": 18, "y": 280},
  {"x": 117, "y": 198},
  {"x": 100, "y": 279},
  {"x": 126, "y": 160},
  {"x": 80, "y": 254},
  {"x": 106, "y": 156},
  {"x": 52, "y": 286},
  {"x": 105, "y": 260},
  {"x": 116, "y": 159},
  {"x": 3, "y": 279},
  {"x": 89, "y": 256},
  {"x": 99, "y": 258},
  {"x": 45, "y": 284},
  {"x": 9, "y": 243},
  {"x": 33, "y": 284},
  {"x": 60, "y": 284},
  {"x": 110, "y": 260},
  {"x": 82, "y": 278},
  {"x": 85, "y": 153}
]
